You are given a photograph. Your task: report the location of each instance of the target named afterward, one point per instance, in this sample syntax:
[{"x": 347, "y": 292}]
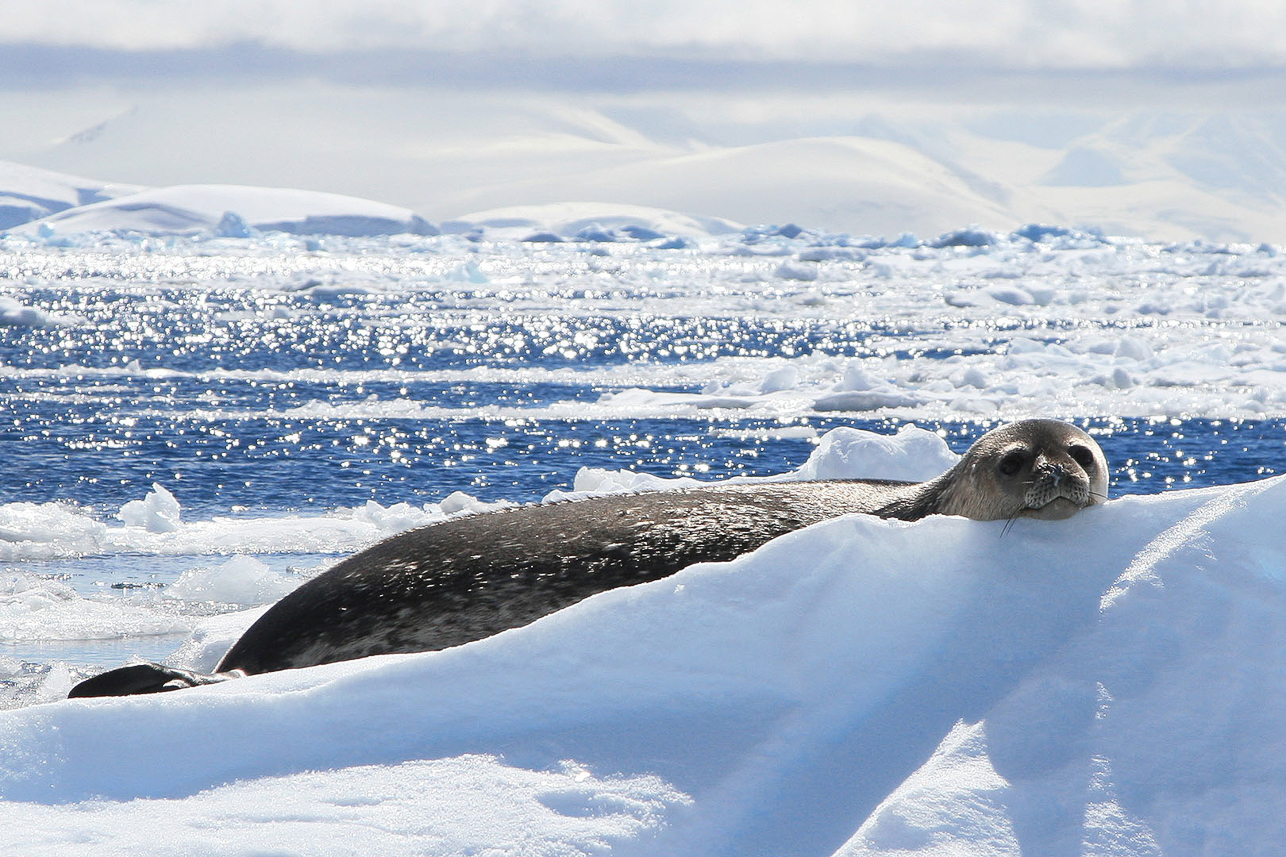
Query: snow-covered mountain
[
  {"x": 1164, "y": 173},
  {"x": 232, "y": 211},
  {"x": 28, "y": 193}
]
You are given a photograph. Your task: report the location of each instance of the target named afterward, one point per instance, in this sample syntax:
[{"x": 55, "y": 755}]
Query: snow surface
[{"x": 1110, "y": 684}]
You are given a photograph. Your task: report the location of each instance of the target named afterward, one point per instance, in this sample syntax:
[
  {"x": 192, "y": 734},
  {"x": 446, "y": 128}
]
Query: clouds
[{"x": 1032, "y": 35}]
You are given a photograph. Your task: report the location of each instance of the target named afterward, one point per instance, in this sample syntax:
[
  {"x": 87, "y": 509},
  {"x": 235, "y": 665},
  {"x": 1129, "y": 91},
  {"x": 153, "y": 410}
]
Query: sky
[
  {"x": 453, "y": 105},
  {"x": 1072, "y": 34}
]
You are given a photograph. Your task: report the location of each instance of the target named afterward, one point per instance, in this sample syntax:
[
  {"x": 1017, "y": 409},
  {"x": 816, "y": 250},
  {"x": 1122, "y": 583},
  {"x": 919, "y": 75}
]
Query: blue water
[
  {"x": 202, "y": 408},
  {"x": 297, "y": 464}
]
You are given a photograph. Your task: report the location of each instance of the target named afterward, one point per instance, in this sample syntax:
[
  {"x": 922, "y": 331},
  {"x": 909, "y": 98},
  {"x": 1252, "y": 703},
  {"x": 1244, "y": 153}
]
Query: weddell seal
[{"x": 471, "y": 577}]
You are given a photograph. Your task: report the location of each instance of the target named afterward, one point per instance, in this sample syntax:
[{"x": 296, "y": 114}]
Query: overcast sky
[{"x": 131, "y": 37}]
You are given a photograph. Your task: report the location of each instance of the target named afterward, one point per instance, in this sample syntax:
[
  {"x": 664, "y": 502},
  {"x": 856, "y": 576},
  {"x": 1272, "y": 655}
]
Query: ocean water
[{"x": 261, "y": 382}]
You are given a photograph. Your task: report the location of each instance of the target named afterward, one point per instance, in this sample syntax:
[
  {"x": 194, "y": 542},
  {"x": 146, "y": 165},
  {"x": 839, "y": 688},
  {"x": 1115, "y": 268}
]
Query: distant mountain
[
  {"x": 852, "y": 184},
  {"x": 1159, "y": 174}
]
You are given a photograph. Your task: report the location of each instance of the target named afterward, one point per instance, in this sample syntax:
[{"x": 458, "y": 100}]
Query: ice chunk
[
  {"x": 913, "y": 454},
  {"x": 241, "y": 580},
  {"x": 158, "y": 512}
]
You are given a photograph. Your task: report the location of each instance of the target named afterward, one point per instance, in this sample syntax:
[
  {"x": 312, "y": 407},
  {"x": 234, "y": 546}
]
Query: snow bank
[
  {"x": 912, "y": 455},
  {"x": 1105, "y": 684},
  {"x": 231, "y": 211}
]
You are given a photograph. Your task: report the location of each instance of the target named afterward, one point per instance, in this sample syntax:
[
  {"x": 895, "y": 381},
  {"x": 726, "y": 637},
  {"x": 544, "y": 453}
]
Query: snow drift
[{"x": 1108, "y": 684}]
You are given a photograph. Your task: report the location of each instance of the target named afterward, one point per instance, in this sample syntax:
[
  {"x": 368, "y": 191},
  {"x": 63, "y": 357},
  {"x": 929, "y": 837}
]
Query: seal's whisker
[{"x": 1009, "y": 523}]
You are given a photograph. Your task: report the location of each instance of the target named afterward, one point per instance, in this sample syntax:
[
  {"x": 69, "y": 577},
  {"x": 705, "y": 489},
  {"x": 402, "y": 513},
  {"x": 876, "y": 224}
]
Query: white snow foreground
[{"x": 1110, "y": 684}]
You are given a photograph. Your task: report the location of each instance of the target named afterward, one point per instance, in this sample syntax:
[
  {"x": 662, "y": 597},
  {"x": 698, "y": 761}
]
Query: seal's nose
[{"x": 1049, "y": 470}]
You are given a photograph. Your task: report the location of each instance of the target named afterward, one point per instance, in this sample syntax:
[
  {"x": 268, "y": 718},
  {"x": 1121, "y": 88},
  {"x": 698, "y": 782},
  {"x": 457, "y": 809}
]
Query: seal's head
[{"x": 1034, "y": 468}]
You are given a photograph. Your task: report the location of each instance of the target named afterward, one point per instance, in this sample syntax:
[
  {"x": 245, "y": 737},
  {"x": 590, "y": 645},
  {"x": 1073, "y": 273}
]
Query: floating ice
[
  {"x": 47, "y": 530},
  {"x": 154, "y": 527},
  {"x": 589, "y": 222},
  {"x": 797, "y": 271},
  {"x": 912, "y": 455},
  {"x": 242, "y": 580},
  {"x": 158, "y": 512},
  {"x": 15, "y": 314},
  {"x": 42, "y": 609}
]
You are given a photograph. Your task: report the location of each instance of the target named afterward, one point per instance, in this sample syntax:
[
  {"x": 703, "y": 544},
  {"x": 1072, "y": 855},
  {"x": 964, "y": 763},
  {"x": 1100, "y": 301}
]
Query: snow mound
[
  {"x": 912, "y": 455},
  {"x": 231, "y": 211},
  {"x": 862, "y": 687}
]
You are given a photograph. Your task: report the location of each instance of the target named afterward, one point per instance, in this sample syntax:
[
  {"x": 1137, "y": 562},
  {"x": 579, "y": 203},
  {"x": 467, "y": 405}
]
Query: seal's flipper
[{"x": 143, "y": 678}]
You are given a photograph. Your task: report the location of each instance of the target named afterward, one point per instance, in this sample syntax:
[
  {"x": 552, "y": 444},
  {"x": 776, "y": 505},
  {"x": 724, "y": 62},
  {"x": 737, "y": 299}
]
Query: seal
[{"x": 467, "y": 578}]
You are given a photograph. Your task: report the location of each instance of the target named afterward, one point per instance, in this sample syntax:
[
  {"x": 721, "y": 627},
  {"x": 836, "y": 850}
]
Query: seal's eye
[
  {"x": 1011, "y": 463},
  {"x": 1082, "y": 456}
]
